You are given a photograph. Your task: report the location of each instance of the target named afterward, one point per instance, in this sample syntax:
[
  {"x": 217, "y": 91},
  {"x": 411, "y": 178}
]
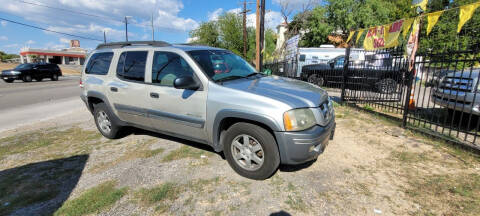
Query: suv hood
[{"x": 293, "y": 92}]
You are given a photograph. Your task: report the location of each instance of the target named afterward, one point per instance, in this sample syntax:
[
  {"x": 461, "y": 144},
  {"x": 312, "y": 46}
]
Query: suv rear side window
[
  {"x": 99, "y": 63},
  {"x": 167, "y": 67},
  {"x": 131, "y": 65}
]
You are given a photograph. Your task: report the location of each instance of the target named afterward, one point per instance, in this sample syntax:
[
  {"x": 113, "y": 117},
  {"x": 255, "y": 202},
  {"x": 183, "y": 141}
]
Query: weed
[
  {"x": 457, "y": 194},
  {"x": 408, "y": 157},
  {"x": 93, "y": 200},
  {"x": 296, "y": 203},
  {"x": 164, "y": 192},
  {"x": 184, "y": 152}
]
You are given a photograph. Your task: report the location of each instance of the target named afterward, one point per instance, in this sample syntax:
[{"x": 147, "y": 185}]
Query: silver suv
[{"x": 210, "y": 96}]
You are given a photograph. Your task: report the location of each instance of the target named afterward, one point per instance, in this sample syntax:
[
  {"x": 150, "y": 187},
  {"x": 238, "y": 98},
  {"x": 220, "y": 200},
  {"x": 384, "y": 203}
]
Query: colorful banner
[
  {"x": 466, "y": 13},
  {"x": 412, "y": 43},
  {"x": 380, "y": 37},
  {"x": 407, "y": 23},
  {"x": 422, "y": 5},
  {"x": 359, "y": 35},
  {"x": 350, "y": 36},
  {"x": 432, "y": 19}
]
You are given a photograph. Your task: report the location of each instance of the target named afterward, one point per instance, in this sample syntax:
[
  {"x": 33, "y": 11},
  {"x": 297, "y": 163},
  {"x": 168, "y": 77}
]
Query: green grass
[
  {"x": 408, "y": 157},
  {"x": 368, "y": 107},
  {"x": 160, "y": 196},
  {"x": 47, "y": 140},
  {"x": 184, "y": 152},
  {"x": 93, "y": 201},
  {"x": 166, "y": 191},
  {"x": 457, "y": 194},
  {"x": 296, "y": 203}
]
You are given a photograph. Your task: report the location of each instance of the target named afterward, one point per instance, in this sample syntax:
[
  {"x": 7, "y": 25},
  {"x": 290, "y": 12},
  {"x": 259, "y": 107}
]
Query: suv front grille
[{"x": 457, "y": 83}]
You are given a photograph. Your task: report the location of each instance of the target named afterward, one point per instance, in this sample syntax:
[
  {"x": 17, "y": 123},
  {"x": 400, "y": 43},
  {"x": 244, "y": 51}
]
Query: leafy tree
[
  {"x": 317, "y": 28},
  {"x": 227, "y": 33},
  {"x": 207, "y": 34},
  {"x": 230, "y": 26}
]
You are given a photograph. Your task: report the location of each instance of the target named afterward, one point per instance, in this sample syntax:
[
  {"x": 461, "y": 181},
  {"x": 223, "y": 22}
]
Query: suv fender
[
  {"x": 100, "y": 96},
  {"x": 247, "y": 116}
]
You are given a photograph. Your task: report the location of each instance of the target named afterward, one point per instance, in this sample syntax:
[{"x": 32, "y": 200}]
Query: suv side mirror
[
  {"x": 186, "y": 83},
  {"x": 332, "y": 64}
]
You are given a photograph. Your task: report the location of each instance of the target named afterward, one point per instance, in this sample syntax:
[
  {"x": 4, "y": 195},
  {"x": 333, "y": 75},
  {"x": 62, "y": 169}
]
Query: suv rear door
[
  {"x": 126, "y": 90},
  {"x": 177, "y": 111}
]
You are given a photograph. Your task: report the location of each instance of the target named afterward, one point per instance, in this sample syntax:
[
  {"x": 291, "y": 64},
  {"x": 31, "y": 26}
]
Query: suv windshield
[
  {"x": 222, "y": 65},
  {"x": 24, "y": 66}
]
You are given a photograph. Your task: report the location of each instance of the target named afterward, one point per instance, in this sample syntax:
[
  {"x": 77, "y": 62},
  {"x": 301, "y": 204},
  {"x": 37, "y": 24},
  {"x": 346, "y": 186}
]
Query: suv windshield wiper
[{"x": 233, "y": 77}]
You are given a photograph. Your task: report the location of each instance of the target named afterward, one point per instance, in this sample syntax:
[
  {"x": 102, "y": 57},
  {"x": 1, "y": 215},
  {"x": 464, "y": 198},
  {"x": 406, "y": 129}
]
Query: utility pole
[
  {"x": 244, "y": 12},
  {"x": 257, "y": 38},
  {"x": 245, "y": 33},
  {"x": 262, "y": 32},
  {"x": 126, "y": 27},
  {"x": 259, "y": 33},
  {"x": 153, "y": 30}
]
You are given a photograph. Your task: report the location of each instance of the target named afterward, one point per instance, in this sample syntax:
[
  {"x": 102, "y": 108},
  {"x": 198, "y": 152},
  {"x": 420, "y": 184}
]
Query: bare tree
[{"x": 286, "y": 9}]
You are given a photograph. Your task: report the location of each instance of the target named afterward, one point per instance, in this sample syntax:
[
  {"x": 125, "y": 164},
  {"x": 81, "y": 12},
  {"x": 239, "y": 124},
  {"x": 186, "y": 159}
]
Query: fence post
[
  {"x": 410, "y": 81},
  {"x": 345, "y": 69}
]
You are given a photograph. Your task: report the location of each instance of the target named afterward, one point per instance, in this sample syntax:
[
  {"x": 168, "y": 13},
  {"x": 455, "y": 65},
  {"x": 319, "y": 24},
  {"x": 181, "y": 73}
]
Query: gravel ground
[{"x": 372, "y": 167}]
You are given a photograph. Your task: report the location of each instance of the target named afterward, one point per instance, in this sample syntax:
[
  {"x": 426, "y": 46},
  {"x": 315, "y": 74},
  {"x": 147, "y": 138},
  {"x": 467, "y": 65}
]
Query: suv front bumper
[
  {"x": 7, "y": 77},
  {"x": 303, "y": 146}
]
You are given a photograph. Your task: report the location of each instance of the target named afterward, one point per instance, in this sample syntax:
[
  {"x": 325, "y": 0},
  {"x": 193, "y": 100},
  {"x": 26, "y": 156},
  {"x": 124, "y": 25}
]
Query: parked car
[
  {"x": 257, "y": 121},
  {"x": 376, "y": 73},
  {"x": 459, "y": 90},
  {"x": 29, "y": 72}
]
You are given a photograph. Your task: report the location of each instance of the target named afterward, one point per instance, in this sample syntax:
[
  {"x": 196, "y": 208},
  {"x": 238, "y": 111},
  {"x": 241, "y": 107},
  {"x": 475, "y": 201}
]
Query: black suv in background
[{"x": 29, "y": 72}]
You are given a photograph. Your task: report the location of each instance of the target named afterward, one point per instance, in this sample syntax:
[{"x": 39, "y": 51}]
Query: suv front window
[
  {"x": 222, "y": 65},
  {"x": 167, "y": 67}
]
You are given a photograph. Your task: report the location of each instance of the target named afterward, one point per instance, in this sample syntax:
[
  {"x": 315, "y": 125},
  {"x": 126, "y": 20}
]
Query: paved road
[
  {"x": 17, "y": 94},
  {"x": 25, "y": 103}
]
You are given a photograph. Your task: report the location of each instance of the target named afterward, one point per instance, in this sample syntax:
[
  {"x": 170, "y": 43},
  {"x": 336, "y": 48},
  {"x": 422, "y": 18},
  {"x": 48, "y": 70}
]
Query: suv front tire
[
  {"x": 251, "y": 151},
  {"x": 105, "y": 124}
]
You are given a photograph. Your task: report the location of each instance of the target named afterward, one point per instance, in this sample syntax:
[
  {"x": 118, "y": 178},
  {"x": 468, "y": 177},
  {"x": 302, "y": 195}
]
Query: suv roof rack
[{"x": 131, "y": 43}]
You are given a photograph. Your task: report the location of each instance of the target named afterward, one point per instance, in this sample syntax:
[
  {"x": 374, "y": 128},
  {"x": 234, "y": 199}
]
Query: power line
[
  {"x": 105, "y": 18},
  {"x": 68, "y": 10},
  {"x": 48, "y": 30}
]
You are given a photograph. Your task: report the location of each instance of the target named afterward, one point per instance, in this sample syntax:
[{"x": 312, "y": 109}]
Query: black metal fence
[{"x": 438, "y": 95}]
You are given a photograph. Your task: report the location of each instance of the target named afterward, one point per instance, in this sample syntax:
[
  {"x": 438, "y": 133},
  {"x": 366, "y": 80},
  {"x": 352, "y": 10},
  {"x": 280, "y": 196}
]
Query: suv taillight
[{"x": 81, "y": 83}]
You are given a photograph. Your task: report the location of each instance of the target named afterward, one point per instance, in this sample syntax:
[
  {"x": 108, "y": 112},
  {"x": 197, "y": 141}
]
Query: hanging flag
[
  {"x": 412, "y": 43},
  {"x": 406, "y": 26},
  {"x": 350, "y": 36},
  {"x": 422, "y": 5},
  {"x": 359, "y": 35},
  {"x": 466, "y": 13},
  {"x": 432, "y": 19},
  {"x": 385, "y": 36}
]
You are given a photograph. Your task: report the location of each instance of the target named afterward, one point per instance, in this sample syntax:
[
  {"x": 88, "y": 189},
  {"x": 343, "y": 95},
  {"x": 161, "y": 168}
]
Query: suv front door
[
  {"x": 127, "y": 91},
  {"x": 177, "y": 111}
]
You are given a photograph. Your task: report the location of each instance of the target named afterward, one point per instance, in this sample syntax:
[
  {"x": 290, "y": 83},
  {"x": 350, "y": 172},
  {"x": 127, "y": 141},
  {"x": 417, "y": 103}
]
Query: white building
[{"x": 70, "y": 56}]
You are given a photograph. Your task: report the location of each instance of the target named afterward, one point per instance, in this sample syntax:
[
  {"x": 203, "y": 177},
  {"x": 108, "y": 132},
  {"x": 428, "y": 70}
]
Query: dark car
[
  {"x": 376, "y": 73},
  {"x": 29, "y": 72}
]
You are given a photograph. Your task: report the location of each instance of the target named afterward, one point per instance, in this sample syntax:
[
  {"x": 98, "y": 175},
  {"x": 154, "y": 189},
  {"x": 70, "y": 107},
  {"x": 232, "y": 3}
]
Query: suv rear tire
[
  {"x": 258, "y": 158},
  {"x": 103, "y": 120}
]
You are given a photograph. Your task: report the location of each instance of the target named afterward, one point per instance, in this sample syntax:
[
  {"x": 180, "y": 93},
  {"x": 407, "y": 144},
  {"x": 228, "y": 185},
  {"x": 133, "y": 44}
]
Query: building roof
[{"x": 79, "y": 53}]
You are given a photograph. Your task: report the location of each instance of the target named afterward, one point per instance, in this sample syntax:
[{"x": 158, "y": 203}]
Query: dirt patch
[{"x": 371, "y": 167}]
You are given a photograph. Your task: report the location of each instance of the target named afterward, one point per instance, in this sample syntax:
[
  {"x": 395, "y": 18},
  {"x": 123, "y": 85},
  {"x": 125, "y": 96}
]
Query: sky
[{"x": 173, "y": 20}]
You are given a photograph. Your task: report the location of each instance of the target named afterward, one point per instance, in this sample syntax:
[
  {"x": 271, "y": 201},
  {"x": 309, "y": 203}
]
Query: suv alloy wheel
[{"x": 251, "y": 151}]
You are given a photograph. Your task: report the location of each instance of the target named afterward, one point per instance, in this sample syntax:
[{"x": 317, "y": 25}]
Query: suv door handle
[
  {"x": 114, "y": 89},
  {"x": 154, "y": 95}
]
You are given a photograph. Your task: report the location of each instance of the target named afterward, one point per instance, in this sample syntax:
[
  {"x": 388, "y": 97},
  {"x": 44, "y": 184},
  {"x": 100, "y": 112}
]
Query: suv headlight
[
  {"x": 15, "y": 72},
  {"x": 298, "y": 119}
]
